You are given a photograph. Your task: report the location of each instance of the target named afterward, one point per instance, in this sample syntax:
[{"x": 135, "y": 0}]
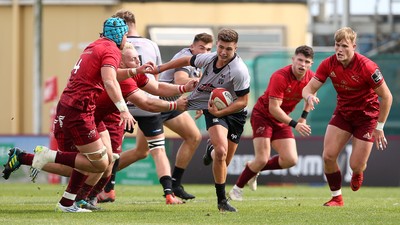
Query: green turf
[{"x": 35, "y": 203}]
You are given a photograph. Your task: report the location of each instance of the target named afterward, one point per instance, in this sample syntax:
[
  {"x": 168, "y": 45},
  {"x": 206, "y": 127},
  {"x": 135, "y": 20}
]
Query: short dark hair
[
  {"x": 307, "y": 51},
  {"x": 228, "y": 35},
  {"x": 204, "y": 37}
]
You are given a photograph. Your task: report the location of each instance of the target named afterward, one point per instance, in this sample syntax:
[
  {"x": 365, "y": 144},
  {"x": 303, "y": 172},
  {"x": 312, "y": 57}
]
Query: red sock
[
  {"x": 75, "y": 183},
  {"x": 246, "y": 175},
  {"x": 83, "y": 192},
  {"x": 66, "y": 158},
  {"x": 334, "y": 180},
  {"x": 26, "y": 159},
  {"x": 99, "y": 186},
  {"x": 272, "y": 164}
]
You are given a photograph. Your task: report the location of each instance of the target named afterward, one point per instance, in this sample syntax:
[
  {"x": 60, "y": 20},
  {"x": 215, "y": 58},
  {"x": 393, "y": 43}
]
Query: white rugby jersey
[
  {"x": 168, "y": 75},
  {"x": 148, "y": 51},
  {"x": 234, "y": 77}
]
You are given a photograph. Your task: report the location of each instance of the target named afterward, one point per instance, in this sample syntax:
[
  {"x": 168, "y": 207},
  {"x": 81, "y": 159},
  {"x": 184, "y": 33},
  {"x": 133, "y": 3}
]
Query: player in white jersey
[
  {"x": 221, "y": 69},
  {"x": 191, "y": 135},
  {"x": 150, "y": 135}
]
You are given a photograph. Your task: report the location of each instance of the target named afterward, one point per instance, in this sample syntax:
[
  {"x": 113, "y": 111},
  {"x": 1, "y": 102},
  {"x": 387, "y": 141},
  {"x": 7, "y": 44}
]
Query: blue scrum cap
[{"x": 115, "y": 29}]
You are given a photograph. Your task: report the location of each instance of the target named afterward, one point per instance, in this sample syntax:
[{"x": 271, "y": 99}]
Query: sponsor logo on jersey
[
  {"x": 367, "y": 136},
  {"x": 221, "y": 79},
  {"x": 356, "y": 78},
  {"x": 234, "y": 137},
  {"x": 205, "y": 87},
  {"x": 332, "y": 74},
  {"x": 59, "y": 119},
  {"x": 260, "y": 130},
  {"x": 92, "y": 134},
  {"x": 377, "y": 76}
]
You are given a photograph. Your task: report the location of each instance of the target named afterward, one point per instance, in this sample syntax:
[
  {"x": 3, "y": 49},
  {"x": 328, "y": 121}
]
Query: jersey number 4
[{"x": 77, "y": 66}]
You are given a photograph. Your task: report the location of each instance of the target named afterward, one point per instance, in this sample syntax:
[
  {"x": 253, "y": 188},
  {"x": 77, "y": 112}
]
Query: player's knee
[
  {"x": 220, "y": 154},
  {"x": 292, "y": 161},
  {"x": 260, "y": 162},
  {"x": 328, "y": 158},
  {"x": 156, "y": 143},
  {"x": 358, "y": 167},
  {"x": 197, "y": 138},
  {"x": 194, "y": 139},
  {"x": 99, "y": 159},
  {"x": 142, "y": 154}
]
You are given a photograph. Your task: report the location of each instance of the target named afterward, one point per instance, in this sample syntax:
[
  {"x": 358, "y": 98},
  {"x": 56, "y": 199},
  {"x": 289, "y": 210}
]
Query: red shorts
[
  {"x": 360, "y": 127},
  {"x": 267, "y": 128},
  {"x": 116, "y": 131},
  {"x": 74, "y": 127}
]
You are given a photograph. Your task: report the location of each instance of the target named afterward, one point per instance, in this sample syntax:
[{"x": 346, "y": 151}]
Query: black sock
[
  {"x": 220, "y": 190},
  {"x": 177, "y": 176},
  {"x": 166, "y": 182},
  {"x": 111, "y": 183}
]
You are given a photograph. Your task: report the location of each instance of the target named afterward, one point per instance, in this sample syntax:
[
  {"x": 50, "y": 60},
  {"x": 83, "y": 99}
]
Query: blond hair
[
  {"x": 127, "y": 46},
  {"x": 346, "y": 33}
]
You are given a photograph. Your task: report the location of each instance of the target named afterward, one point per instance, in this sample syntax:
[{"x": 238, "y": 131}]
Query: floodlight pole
[{"x": 37, "y": 74}]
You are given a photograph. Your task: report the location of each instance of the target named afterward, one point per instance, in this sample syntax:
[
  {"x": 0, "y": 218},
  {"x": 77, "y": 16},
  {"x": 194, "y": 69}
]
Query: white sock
[{"x": 336, "y": 193}]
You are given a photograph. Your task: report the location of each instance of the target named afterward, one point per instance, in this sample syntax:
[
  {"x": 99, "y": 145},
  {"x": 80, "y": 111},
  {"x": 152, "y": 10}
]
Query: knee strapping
[
  {"x": 156, "y": 143},
  {"x": 98, "y": 155}
]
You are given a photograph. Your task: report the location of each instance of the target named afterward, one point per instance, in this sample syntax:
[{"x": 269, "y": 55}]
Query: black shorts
[
  {"x": 150, "y": 125},
  {"x": 170, "y": 115},
  {"x": 233, "y": 122}
]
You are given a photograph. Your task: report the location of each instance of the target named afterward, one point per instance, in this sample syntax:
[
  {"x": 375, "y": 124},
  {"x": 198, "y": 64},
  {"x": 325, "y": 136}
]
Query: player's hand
[
  {"x": 303, "y": 129},
  {"x": 380, "y": 140},
  {"x": 182, "y": 103},
  {"x": 191, "y": 84},
  {"x": 127, "y": 120},
  {"x": 312, "y": 100},
  {"x": 146, "y": 68},
  {"x": 199, "y": 113},
  {"x": 213, "y": 109}
]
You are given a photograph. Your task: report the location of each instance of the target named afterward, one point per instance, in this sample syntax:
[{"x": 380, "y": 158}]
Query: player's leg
[
  {"x": 163, "y": 168},
  {"x": 334, "y": 141},
  {"x": 141, "y": 151},
  {"x": 18, "y": 157},
  {"x": 95, "y": 181},
  {"x": 93, "y": 155},
  {"x": 262, "y": 133},
  {"x": 191, "y": 139},
  {"x": 106, "y": 193},
  {"x": 358, "y": 161},
  {"x": 153, "y": 133},
  {"x": 287, "y": 154},
  {"x": 262, "y": 149},
  {"x": 362, "y": 146},
  {"x": 218, "y": 134}
]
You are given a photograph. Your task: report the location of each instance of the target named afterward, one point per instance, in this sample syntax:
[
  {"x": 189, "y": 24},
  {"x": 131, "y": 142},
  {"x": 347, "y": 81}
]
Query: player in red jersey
[
  {"x": 94, "y": 73},
  {"x": 108, "y": 114},
  {"x": 271, "y": 123},
  {"x": 358, "y": 114}
]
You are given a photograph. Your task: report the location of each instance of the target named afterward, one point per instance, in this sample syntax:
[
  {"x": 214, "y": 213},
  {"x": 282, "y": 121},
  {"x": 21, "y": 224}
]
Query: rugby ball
[{"x": 221, "y": 98}]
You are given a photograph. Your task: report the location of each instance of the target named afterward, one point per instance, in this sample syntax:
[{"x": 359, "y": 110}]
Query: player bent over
[{"x": 271, "y": 123}]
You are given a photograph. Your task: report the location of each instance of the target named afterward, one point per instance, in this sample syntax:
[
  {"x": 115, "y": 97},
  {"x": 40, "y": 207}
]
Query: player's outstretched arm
[
  {"x": 141, "y": 100},
  {"x": 166, "y": 89},
  {"x": 309, "y": 92}
]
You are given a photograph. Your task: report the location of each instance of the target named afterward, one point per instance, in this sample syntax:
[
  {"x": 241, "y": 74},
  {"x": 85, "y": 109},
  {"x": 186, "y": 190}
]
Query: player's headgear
[{"x": 115, "y": 29}]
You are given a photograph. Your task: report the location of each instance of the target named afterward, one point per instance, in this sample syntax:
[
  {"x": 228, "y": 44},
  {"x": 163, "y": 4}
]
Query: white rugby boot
[{"x": 236, "y": 193}]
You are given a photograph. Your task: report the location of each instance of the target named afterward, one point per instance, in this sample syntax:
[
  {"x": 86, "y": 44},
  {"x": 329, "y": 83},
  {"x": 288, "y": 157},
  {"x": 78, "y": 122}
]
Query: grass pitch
[{"x": 22, "y": 203}]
